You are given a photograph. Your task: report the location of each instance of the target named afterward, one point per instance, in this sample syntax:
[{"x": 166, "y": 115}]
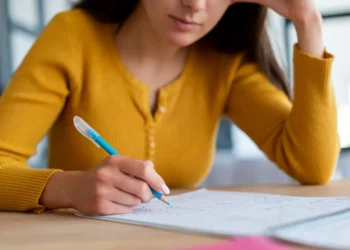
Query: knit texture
[{"x": 74, "y": 68}]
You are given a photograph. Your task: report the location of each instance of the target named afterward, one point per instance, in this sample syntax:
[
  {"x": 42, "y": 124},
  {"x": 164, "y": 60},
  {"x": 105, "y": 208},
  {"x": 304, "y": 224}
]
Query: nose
[{"x": 196, "y": 5}]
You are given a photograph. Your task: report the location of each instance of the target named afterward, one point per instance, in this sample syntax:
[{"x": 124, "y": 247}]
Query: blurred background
[{"x": 238, "y": 160}]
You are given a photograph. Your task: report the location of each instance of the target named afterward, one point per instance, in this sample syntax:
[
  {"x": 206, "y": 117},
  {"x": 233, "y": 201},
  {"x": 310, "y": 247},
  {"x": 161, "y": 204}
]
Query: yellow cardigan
[{"x": 74, "y": 69}]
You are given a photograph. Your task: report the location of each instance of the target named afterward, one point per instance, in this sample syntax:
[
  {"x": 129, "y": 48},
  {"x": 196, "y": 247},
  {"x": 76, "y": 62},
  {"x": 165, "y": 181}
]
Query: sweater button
[
  {"x": 162, "y": 109},
  {"x": 150, "y": 130},
  {"x": 152, "y": 145}
]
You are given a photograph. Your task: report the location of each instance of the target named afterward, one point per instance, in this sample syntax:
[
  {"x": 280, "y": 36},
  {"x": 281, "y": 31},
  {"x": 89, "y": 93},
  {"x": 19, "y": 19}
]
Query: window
[
  {"x": 5, "y": 70},
  {"x": 21, "y": 22}
]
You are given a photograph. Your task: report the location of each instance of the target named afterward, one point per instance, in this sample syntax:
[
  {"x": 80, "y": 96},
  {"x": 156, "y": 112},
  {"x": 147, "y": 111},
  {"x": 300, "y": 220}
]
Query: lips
[
  {"x": 188, "y": 21},
  {"x": 185, "y": 21},
  {"x": 185, "y": 25}
]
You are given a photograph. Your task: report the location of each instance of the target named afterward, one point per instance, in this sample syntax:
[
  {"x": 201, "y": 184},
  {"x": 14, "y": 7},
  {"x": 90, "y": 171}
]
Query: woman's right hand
[{"x": 115, "y": 186}]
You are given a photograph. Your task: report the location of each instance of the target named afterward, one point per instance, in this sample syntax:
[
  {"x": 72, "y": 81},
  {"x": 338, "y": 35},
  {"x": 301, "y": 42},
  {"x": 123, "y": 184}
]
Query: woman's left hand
[
  {"x": 306, "y": 18},
  {"x": 295, "y": 10}
]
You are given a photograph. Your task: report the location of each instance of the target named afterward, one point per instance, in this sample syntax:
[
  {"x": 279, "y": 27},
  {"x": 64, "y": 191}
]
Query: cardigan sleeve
[
  {"x": 29, "y": 106},
  {"x": 300, "y": 136}
]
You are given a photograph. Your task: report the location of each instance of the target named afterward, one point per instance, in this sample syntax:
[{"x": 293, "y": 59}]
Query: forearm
[
  {"x": 309, "y": 143},
  {"x": 309, "y": 33},
  {"x": 308, "y": 147}
]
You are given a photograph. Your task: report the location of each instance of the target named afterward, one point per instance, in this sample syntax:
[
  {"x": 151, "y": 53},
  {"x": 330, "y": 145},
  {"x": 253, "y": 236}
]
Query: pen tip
[{"x": 168, "y": 203}]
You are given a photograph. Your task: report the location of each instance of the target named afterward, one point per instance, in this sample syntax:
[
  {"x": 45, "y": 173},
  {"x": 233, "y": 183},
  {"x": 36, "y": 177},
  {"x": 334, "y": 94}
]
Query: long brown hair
[{"x": 241, "y": 29}]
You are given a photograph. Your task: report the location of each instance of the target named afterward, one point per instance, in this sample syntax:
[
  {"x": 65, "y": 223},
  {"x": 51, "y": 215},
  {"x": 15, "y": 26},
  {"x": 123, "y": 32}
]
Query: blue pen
[{"x": 87, "y": 131}]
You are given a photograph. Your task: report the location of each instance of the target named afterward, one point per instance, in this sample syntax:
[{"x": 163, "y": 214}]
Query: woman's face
[{"x": 183, "y": 22}]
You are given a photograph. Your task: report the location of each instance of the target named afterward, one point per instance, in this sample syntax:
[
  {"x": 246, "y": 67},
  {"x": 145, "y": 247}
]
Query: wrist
[
  {"x": 311, "y": 25},
  {"x": 58, "y": 191},
  {"x": 310, "y": 19}
]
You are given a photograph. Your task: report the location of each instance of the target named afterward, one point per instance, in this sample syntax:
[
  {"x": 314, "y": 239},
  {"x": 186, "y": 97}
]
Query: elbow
[
  {"x": 323, "y": 166},
  {"x": 317, "y": 180},
  {"x": 315, "y": 170},
  {"x": 318, "y": 171},
  {"x": 312, "y": 174},
  {"x": 309, "y": 164}
]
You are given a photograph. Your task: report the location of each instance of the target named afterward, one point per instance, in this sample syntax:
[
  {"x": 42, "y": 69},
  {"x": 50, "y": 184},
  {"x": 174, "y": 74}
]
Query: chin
[{"x": 182, "y": 40}]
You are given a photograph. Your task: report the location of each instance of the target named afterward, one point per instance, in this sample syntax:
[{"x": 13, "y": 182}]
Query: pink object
[{"x": 246, "y": 243}]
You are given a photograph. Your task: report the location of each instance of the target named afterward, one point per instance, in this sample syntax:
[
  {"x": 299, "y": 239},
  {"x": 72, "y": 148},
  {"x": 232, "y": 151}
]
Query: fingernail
[{"x": 165, "y": 189}]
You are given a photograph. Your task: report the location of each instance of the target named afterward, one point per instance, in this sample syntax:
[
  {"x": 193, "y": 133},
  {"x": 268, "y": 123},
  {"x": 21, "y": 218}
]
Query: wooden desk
[{"x": 63, "y": 230}]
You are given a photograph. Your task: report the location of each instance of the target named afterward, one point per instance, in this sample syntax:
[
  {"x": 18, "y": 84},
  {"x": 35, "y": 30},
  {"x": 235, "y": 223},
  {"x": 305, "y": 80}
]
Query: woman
[{"x": 153, "y": 79}]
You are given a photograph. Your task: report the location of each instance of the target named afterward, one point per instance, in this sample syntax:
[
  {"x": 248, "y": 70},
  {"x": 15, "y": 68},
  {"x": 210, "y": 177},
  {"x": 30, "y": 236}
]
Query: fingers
[
  {"x": 133, "y": 186},
  {"x": 143, "y": 170},
  {"x": 123, "y": 198},
  {"x": 109, "y": 200},
  {"x": 262, "y": 2},
  {"x": 107, "y": 192},
  {"x": 110, "y": 208}
]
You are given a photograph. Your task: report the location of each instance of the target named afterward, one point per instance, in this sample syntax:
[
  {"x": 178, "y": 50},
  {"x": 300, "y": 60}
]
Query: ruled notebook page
[
  {"x": 330, "y": 232},
  {"x": 228, "y": 213}
]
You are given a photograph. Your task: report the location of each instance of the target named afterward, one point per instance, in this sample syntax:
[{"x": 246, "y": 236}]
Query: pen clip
[{"x": 84, "y": 129}]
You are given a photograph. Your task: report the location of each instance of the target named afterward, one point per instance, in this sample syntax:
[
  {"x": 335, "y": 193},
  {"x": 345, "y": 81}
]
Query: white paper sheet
[
  {"x": 330, "y": 232},
  {"x": 228, "y": 213}
]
